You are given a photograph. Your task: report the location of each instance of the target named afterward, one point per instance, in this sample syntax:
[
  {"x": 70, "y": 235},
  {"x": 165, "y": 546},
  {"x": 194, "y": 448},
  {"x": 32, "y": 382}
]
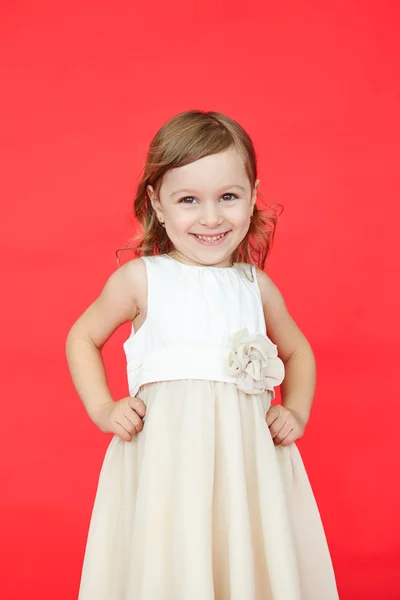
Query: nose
[{"x": 211, "y": 216}]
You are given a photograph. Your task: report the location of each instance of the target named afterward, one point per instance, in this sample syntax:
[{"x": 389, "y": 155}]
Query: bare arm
[
  {"x": 294, "y": 349},
  {"x": 117, "y": 304}
]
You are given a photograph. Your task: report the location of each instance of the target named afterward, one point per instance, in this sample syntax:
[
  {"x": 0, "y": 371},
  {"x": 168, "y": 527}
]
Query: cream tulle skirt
[{"x": 202, "y": 505}]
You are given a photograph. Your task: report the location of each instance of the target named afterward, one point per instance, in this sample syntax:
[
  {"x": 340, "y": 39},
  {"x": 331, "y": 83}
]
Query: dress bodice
[{"x": 202, "y": 323}]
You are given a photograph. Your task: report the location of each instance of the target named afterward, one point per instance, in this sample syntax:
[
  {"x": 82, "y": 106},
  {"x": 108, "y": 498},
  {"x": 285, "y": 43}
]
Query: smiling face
[{"x": 206, "y": 207}]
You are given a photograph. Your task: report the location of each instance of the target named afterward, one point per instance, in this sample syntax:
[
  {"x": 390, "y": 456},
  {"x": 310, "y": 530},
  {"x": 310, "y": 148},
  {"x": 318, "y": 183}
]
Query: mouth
[{"x": 210, "y": 240}]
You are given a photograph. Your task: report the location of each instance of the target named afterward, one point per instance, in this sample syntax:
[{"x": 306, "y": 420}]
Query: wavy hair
[{"x": 183, "y": 139}]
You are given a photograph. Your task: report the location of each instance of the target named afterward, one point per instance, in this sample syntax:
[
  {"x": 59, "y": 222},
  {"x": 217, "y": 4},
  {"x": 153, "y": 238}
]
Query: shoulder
[
  {"x": 270, "y": 293},
  {"x": 130, "y": 277},
  {"x": 125, "y": 288},
  {"x": 119, "y": 301},
  {"x": 281, "y": 327},
  {"x": 131, "y": 281}
]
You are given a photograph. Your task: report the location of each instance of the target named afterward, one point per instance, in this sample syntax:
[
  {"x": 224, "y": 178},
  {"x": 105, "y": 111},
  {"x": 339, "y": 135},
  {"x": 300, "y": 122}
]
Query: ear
[
  {"x": 254, "y": 194},
  {"x": 155, "y": 203}
]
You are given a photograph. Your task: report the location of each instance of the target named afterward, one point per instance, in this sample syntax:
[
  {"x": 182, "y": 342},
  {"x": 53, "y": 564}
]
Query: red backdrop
[{"x": 85, "y": 86}]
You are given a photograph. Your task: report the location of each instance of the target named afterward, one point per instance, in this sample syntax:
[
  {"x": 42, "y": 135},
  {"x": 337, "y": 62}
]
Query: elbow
[{"x": 303, "y": 349}]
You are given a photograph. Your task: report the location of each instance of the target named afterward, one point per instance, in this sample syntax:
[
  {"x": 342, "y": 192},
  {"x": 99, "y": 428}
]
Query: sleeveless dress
[{"x": 201, "y": 505}]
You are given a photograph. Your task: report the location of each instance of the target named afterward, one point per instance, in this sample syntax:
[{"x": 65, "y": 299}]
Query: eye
[
  {"x": 187, "y": 200},
  {"x": 233, "y": 196}
]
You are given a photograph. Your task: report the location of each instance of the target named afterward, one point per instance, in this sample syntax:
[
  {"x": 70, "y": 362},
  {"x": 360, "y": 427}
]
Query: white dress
[{"x": 201, "y": 505}]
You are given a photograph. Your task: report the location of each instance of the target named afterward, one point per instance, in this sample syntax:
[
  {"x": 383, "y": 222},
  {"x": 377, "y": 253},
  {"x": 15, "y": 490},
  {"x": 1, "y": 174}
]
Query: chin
[{"x": 213, "y": 258}]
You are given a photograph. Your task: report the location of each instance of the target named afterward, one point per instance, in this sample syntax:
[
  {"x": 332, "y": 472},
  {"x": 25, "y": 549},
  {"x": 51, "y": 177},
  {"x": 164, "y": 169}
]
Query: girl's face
[{"x": 206, "y": 207}]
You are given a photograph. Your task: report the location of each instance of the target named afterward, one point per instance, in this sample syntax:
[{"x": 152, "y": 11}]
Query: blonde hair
[{"x": 183, "y": 139}]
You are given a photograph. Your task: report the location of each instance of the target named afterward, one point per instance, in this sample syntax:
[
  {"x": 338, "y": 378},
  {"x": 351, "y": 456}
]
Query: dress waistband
[{"x": 251, "y": 362}]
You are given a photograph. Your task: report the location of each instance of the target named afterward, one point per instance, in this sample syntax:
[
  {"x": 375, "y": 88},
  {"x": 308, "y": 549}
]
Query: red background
[{"x": 85, "y": 87}]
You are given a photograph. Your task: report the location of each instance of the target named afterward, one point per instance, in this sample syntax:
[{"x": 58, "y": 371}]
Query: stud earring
[{"x": 162, "y": 224}]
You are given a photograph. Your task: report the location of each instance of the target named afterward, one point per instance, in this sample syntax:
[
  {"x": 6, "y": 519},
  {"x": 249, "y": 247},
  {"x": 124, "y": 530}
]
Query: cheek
[
  {"x": 239, "y": 216},
  {"x": 180, "y": 220}
]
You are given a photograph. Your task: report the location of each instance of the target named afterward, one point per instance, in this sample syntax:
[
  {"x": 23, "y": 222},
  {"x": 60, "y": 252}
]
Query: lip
[{"x": 215, "y": 242}]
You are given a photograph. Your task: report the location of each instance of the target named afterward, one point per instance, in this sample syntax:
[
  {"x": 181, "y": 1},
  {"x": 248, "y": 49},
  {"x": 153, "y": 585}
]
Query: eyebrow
[{"x": 187, "y": 191}]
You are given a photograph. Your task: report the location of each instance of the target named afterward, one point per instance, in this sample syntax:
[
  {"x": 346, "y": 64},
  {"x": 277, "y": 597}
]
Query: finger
[
  {"x": 121, "y": 432},
  {"x": 277, "y": 433},
  {"x": 272, "y": 415},
  {"x": 296, "y": 433},
  {"x": 290, "y": 438},
  {"x": 286, "y": 429},
  {"x": 132, "y": 422},
  {"x": 138, "y": 406},
  {"x": 127, "y": 425},
  {"x": 136, "y": 421},
  {"x": 277, "y": 425}
]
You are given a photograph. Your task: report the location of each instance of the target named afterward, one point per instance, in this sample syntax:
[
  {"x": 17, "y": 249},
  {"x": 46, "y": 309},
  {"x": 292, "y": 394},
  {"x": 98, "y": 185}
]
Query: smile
[{"x": 210, "y": 238}]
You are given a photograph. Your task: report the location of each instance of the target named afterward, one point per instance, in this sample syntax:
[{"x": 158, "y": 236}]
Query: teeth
[{"x": 210, "y": 239}]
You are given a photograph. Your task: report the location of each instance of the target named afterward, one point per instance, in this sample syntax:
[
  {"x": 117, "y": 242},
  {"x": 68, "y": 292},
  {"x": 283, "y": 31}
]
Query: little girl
[{"x": 202, "y": 494}]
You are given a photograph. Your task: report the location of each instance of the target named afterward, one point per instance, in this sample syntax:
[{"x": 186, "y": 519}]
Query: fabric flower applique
[{"x": 254, "y": 361}]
